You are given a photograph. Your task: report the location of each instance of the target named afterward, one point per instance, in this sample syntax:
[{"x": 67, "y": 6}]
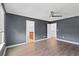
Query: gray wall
[
  {"x": 40, "y": 29},
  {"x": 68, "y": 29},
  {"x": 16, "y": 29}
]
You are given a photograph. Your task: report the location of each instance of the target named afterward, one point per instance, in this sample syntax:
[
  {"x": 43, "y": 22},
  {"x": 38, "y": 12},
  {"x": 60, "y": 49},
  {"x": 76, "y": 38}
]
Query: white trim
[
  {"x": 76, "y": 43},
  {"x": 67, "y": 41},
  {"x": 15, "y": 45},
  {"x": 24, "y": 43},
  {"x": 4, "y": 51},
  {"x": 2, "y": 36},
  {"x": 1, "y": 45},
  {"x": 41, "y": 39},
  {"x": 19, "y": 45}
]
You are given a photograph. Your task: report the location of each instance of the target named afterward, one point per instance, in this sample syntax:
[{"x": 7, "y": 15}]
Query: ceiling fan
[{"x": 54, "y": 14}]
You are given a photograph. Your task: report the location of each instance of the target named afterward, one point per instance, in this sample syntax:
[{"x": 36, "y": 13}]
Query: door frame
[{"x": 27, "y": 32}]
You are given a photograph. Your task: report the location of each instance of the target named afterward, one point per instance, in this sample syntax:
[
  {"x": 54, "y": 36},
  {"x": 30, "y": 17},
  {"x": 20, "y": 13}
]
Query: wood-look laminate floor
[{"x": 49, "y": 47}]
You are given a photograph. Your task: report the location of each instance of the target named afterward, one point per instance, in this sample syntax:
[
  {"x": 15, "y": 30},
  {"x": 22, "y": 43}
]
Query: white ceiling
[{"x": 42, "y": 10}]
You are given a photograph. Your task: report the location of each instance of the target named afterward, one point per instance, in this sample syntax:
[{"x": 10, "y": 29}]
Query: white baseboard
[
  {"x": 76, "y": 43},
  {"x": 11, "y": 47},
  {"x": 1, "y": 46},
  {"x": 19, "y": 45},
  {"x": 67, "y": 41},
  {"x": 15, "y": 45},
  {"x": 4, "y": 51},
  {"x": 41, "y": 39},
  {"x": 24, "y": 43}
]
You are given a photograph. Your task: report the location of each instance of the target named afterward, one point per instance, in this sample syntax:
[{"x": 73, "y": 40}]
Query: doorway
[
  {"x": 30, "y": 31},
  {"x": 52, "y": 30}
]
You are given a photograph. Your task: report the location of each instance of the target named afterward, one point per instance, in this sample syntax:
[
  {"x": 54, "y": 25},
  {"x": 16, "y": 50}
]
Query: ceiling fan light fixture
[{"x": 54, "y": 14}]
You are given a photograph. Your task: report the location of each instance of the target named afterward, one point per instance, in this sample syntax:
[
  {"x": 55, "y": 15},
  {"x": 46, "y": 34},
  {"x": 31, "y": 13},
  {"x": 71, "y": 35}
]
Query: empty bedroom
[{"x": 39, "y": 29}]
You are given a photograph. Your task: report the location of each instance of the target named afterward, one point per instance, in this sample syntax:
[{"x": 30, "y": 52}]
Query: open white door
[
  {"x": 52, "y": 30},
  {"x": 30, "y": 31}
]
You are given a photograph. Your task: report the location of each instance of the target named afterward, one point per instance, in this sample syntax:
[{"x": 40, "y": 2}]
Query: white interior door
[
  {"x": 52, "y": 30},
  {"x": 30, "y": 27}
]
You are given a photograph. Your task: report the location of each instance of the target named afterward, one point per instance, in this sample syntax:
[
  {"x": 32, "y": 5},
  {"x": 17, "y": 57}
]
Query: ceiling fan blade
[{"x": 56, "y": 15}]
